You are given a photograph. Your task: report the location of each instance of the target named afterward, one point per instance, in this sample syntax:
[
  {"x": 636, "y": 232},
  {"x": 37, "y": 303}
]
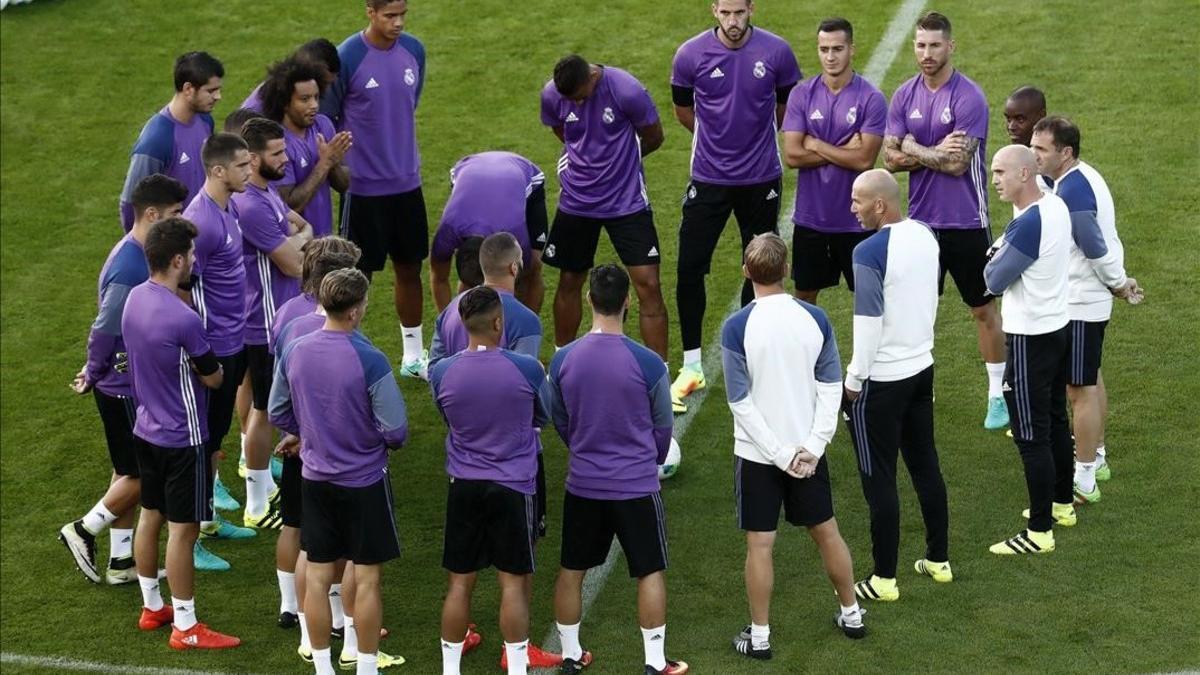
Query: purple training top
[
  {"x": 262, "y": 215},
  {"x": 254, "y": 99},
  {"x": 375, "y": 97},
  {"x": 488, "y": 193},
  {"x": 522, "y": 329},
  {"x": 601, "y": 167},
  {"x": 610, "y": 399},
  {"x": 162, "y": 334},
  {"x": 337, "y": 392},
  {"x": 219, "y": 294},
  {"x": 939, "y": 199},
  {"x": 303, "y": 154},
  {"x": 823, "y": 192},
  {"x": 107, "y": 361},
  {"x": 301, "y": 305},
  {"x": 170, "y": 147},
  {"x": 493, "y": 402},
  {"x": 735, "y": 93}
]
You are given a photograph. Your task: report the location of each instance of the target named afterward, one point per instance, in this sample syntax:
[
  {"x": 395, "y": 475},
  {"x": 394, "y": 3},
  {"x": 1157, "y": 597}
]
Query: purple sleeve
[
  {"x": 279, "y": 404},
  {"x": 897, "y": 125},
  {"x": 445, "y": 242},
  {"x": 99, "y": 350},
  {"x": 662, "y": 415},
  {"x": 258, "y": 227},
  {"x": 683, "y": 71},
  {"x": 875, "y": 115},
  {"x": 191, "y": 335},
  {"x": 635, "y": 101},
  {"x": 787, "y": 69},
  {"x": 794, "y": 118},
  {"x": 549, "y": 105},
  {"x": 971, "y": 114}
]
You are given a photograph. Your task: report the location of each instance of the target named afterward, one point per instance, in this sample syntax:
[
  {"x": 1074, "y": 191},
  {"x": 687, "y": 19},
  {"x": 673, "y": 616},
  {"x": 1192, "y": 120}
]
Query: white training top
[
  {"x": 1097, "y": 256},
  {"x": 1028, "y": 266}
]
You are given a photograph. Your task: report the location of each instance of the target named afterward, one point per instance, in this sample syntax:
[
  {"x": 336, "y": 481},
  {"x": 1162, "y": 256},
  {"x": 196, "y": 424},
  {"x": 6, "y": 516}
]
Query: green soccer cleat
[
  {"x": 1102, "y": 470},
  {"x": 418, "y": 369},
  {"x": 223, "y": 529},
  {"x": 877, "y": 588},
  {"x": 1025, "y": 542},
  {"x": 940, "y": 571},
  {"x": 383, "y": 660},
  {"x": 207, "y": 561},
  {"x": 222, "y": 500},
  {"x": 305, "y": 653},
  {"x": 997, "y": 414},
  {"x": 1082, "y": 497},
  {"x": 1063, "y": 514},
  {"x": 120, "y": 571},
  {"x": 271, "y": 519},
  {"x": 689, "y": 380}
]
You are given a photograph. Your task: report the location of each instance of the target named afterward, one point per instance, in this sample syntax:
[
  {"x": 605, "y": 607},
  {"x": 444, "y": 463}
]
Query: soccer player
[
  {"x": 610, "y": 402},
  {"x": 783, "y": 383},
  {"x": 337, "y": 392},
  {"x": 937, "y": 130},
  {"x": 375, "y": 98},
  {"x": 889, "y": 382},
  {"x": 493, "y": 192},
  {"x": 291, "y": 96},
  {"x": 273, "y": 236},
  {"x": 832, "y": 132},
  {"x": 1023, "y": 108},
  {"x": 317, "y": 53},
  {"x": 730, "y": 86},
  {"x": 219, "y": 296},
  {"x": 170, "y": 141},
  {"x": 173, "y": 366},
  {"x": 235, "y": 120},
  {"x": 492, "y": 401},
  {"x": 1097, "y": 273},
  {"x": 106, "y": 376},
  {"x": 1029, "y": 267}
]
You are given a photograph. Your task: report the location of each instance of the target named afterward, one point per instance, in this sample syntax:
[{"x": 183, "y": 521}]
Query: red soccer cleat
[
  {"x": 153, "y": 620},
  {"x": 537, "y": 658},
  {"x": 472, "y": 639},
  {"x": 201, "y": 637}
]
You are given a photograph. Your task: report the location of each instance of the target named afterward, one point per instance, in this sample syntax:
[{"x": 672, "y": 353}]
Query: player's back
[{"x": 522, "y": 329}]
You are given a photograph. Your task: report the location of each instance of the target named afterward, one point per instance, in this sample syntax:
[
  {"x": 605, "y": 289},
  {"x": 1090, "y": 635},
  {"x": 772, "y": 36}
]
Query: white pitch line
[
  {"x": 63, "y": 664},
  {"x": 877, "y": 67}
]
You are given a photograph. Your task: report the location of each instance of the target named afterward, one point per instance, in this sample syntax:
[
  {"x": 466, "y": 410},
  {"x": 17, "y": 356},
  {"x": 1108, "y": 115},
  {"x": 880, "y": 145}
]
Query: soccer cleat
[
  {"x": 997, "y": 414},
  {"x": 220, "y": 528},
  {"x": 1082, "y": 497},
  {"x": 205, "y": 560},
  {"x": 472, "y": 639},
  {"x": 383, "y": 660},
  {"x": 940, "y": 571},
  {"x": 271, "y": 519},
  {"x": 852, "y": 626},
  {"x": 678, "y": 406},
  {"x": 337, "y": 632},
  {"x": 120, "y": 571},
  {"x": 222, "y": 500},
  {"x": 538, "y": 657},
  {"x": 574, "y": 666},
  {"x": 1102, "y": 470},
  {"x": 417, "y": 368},
  {"x": 242, "y": 465},
  {"x": 1063, "y": 514},
  {"x": 1025, "y": 541},
  {"x": 672, "y": 668},
  {"x": 288, "y": 620},
  {"x": 744, "y": 645},
  {"x": 305, "y": 653},
  {"x": 82, "y": 545},
  {"x": 201, "y": 637},
  {"x": 153, "y": 620},
  {"x": 877, "y": 588},
  {"x": 689, "y": 380}
]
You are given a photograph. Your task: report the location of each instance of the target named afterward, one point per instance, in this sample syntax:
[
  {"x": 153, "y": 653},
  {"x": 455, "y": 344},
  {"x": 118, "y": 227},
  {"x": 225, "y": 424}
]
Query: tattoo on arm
[
  {"x": 896, "y": 159},
  {"x": 954, "y": 162}
]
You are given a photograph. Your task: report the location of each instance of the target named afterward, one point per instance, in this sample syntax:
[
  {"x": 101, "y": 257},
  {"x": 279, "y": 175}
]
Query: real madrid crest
[
  {"x": 760, "y": 69},
  {"x": 608, "y": 116},
  {"x": 852, "y": 115},
  {"x": 410, "y": 77},
  {"x": 947, "y": 118}
]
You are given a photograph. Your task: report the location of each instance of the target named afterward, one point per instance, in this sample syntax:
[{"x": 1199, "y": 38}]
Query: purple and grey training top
[
  {"x": 522, "y": 329},
  {"x": 107, "y": 365},
  {"x": 169, "y": 147}
]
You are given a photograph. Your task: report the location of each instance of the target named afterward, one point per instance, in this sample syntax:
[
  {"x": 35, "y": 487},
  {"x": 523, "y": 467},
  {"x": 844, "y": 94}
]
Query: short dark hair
[
  {"x": 196, "y": 69},
  {"x": 1062, "y": 129},
  {"x": 237, "y": 119},
  {"x": 478, "y": 307},
  {"x": 376, "y": 4},
  {"x": 322, "y": 256},
  {"x": 157, "y": 190},
  {"x": 570, "y": 73},
  {"x": 608, "y": 287},
  {"x": 343, "y": 289},
  {"x": 497, "y": 252},
  {"x": 934, "y": 21},
  {"x": 259, "y": 131},
  {"x": 836, "y": 24},
  {"x": 466, "y": 262},
  {"x": 167, "y": 239},
  {"x": 1029, "y": 93},
  {"x": 220, "y": 149},
  {"x": 276, "y": 91},
  {"x": 321, "y": 51}
]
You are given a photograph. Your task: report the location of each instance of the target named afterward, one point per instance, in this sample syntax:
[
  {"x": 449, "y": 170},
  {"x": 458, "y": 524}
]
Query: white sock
[
  {"x": 336, "y": 612},
  {"x": 851, "y": 610},
  {"x": 304, "y": 641},
  {"x": 259, "y": 486},
  {"x": 98, "y": 518},
  {"x": 414, "y": 343},
  {"x": 654, "y": 643},
  {"x": 151, "y": 598},
  {"x": 287, "y": 591},
  {"x": 120, "y": 543},
  {"x": 1100, "y": 461},
  {"x": 349, "y": 640},
  {"x": 760, "y": 636},
  {"x": 1085, "y": 476},
  {"x": 569, "y": 637},
  {"x": 323, "y": 661},
  {"x": 451, "y": 657},
  {"x": 368, "y": 664},
  {"x": 692, "y": 358},
  {"x": 518, "y": 657},
  {"x": 995, "y": 373},
  {"x": 185, "y": 613}
]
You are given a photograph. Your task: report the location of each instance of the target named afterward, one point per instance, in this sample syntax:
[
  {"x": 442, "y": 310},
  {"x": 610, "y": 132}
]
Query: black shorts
[
  {"x": 540, "y": 501},
  {"x": 117, "y": 414},
  {"x": 964, "y": 255},
  {"x": 488, "y": 525},
  {"x": 535, "y": 217},
  {"x": 223, "y": 400},
  {"x": 387, "y": 226},
  {"x": 640, "y": 524},
  {"x": 177, "y": 482},
  {"x": 357, "y": 524},
  {"x": 706, "y": 209},
  {"x": 260, "y": 363},
  {"x": 820, "y": 258},
  {"x": 573, "y": 239},
  {"x": 1085, "y": 351},
  {"x": 760, "y": 489},
  {"x": 290, "y": 492}
]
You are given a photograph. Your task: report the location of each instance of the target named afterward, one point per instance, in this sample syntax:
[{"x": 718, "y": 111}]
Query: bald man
[
  {"x": 1028, "y": 266},
  {"x": 889, "y": 382},
  {"x": 1023, "y": 108}
]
